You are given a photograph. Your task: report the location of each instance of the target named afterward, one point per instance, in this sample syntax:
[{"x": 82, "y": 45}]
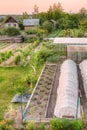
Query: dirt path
[
  {"x": 82, "y": 95},
  {"x": 52, "y": 103}
]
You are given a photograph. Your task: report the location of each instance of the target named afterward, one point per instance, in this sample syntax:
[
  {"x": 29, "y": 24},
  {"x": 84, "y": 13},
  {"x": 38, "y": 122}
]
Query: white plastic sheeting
[
  {"x": 83, "y": 68},
  {"x": 67, "y": 91},
  {"x": 69, "y": 40}
]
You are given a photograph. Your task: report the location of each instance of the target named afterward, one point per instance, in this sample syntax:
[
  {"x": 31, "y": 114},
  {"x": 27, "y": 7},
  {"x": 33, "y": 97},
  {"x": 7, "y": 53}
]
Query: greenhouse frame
[{"x": 67, "y": 91}]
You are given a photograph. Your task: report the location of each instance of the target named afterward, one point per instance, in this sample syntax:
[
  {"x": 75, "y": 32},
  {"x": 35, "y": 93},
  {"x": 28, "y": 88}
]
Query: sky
[{"x": 20, "y": 6}]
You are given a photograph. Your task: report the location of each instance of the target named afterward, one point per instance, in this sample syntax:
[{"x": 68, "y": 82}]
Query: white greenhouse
[
  {"x": 83, "y": 68},
  {"x": 67, "y": 91}
]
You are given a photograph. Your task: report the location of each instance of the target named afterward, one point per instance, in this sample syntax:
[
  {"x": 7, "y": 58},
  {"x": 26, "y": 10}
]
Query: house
[
  {"x": 11, "y": 21},
  {"x": 30, "y": 23}
]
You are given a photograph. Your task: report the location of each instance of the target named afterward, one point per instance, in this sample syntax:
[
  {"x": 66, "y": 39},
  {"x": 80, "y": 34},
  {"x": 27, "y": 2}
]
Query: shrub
[
  {"x": 77, "y": 125},
  {"x": 21, "y": 127},
  {"x": 30, "y": 125},
  {"x": 9, "y": 127},
  {"x": 41, "y": 126},
  {"x": 54, "y": 58},
  {"x": 11, "y": 31},
  {"x": 66, "y": 124},
  {"x": 6, "y": 124},
  {"x": 31, "y": 31},
  {"x": 47, "y": 26},
  {"x": 31, "y": 39},
  {"x": 17, "y": 59},
  {"x": 8, "y": 54},
  {"x": 35, "y": 44},
  {"x": 0, "y": 60},
  {"x": 55, "y": 124},
  {"x": 44, "y": 53}
]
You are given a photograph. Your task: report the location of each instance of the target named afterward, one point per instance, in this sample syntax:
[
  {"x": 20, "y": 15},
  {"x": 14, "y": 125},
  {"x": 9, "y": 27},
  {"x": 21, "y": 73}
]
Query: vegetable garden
[{"x": 41, "y": 94}]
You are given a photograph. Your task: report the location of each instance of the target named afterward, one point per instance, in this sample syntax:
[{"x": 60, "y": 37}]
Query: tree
[
  {"x": 83, "y": 11},
  {"x": 47, "y": 26},
  {"x": 36, "y": 9},
  {"x": 25, "y": 15},
  {"x": 55, "y": 12},
  {"x": 83, "y": 25}
]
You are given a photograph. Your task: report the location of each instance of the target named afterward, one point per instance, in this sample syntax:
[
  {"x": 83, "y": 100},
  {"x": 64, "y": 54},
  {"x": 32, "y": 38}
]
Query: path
[
  {"x": 82, "y": 95},
  {"x": 52, "y": 103}
]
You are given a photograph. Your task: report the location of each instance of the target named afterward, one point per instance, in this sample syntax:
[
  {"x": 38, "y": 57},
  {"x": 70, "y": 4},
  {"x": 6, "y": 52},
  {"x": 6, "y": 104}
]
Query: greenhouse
[
  {"x": 69, "y": 40},
  {"x": 83, "y": 68},
  {"x": 67, "y": 91}
]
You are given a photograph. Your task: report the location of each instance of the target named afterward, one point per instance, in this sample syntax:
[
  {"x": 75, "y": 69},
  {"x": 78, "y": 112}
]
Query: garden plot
[
  {"x": 4, "y": 45},
  {"x": 9, "y": 48},
  {"x": 38, "y": 104},
  {"x": 10, "y": 61}
]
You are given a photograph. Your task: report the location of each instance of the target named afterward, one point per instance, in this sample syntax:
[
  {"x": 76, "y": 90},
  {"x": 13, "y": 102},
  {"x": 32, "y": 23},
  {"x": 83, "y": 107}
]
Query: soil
[
  {"x": 53, "y": 94},
  {"x": 82, "y": 95}
]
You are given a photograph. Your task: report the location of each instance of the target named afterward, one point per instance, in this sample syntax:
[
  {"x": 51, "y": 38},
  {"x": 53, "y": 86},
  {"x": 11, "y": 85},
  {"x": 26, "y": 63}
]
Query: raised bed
[{"x": 37, "y": 106}]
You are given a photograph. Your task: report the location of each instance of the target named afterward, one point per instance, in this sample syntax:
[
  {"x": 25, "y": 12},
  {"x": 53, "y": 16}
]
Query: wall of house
[
  {"x": 29, "y": 27},
  {"x": 12, "y": 25}
]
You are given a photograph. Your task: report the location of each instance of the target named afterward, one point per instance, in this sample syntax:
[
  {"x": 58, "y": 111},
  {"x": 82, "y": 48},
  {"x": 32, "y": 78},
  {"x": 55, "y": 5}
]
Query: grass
[
  {"x": 54, "y": 33},
  {"x": 11, "y": 78}
]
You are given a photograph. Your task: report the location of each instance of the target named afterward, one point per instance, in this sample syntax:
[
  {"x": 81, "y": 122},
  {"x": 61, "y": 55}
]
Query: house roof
[
  {"x": 31, "y": 22},
  {"x": 13, "y": 17}
]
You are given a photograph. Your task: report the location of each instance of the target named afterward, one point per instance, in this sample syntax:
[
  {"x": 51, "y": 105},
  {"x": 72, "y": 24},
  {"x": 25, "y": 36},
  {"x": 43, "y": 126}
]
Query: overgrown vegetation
[
  {"x": 5, "y": 55},
  {"x": 11, "y": 31},
  {"x": 65, "y": 124}
]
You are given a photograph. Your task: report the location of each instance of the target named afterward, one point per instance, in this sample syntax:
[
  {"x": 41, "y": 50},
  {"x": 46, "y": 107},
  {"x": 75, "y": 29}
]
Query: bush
[
  {"x": 21, "y": 127},
  {"x": 11, "y": 31},
  {"x": 77, "y": 125},
  {"x": 30, "y": 125},
  {"x": 41, "y": 126},
  {"x": 8, "y": 54},
  {"x": 6, "y": 124},
  {"x": 17, "y": 60},
  {"x": 54, "y": 58},
  {"x": 9, "y": 127},
  {"x": 43, "y": 54},
  {"x": 47, "y": 26},
  {"x": 55, "y": 124},
  {"x": 66, "y": 124},
  {"x": 31, "y": 39},
  {"x": 31, "y": 31}
]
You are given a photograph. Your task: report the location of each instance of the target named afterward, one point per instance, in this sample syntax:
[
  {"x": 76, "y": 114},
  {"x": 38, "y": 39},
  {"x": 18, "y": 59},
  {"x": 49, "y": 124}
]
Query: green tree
[
  {"x": 36, "y": 9},
  {"x": 48, "y": 26},
  {"x": 25, "y": 15}
]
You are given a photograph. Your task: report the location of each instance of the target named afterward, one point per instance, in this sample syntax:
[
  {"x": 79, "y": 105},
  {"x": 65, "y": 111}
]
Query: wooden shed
[{"x": 30, "y": 23}]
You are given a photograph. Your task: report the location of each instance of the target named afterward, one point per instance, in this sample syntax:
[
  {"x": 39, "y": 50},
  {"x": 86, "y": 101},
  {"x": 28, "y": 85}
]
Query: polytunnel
[
  {"x": 83, "y": 68},
  {"x": 67, "y": 91}
]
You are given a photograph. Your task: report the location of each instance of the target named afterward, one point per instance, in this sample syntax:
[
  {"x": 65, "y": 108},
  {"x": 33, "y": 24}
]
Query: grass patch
[{"x": 12, "y": 79}]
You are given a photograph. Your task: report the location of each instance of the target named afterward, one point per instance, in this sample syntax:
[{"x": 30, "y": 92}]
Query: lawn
[{"x": 12, "y": 80}]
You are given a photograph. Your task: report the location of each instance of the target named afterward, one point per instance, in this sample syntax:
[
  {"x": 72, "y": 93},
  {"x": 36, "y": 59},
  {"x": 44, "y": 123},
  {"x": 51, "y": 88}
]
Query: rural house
[
  {"x": 11, "y": 21},
  {"x": 30, "y": 23}
]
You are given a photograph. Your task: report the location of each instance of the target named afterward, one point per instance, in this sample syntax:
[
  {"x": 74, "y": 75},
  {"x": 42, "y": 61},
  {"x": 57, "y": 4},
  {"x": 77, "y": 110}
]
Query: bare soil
[
  {"x": 53, "y": 94},
  {"x": 82, "y": 95}
]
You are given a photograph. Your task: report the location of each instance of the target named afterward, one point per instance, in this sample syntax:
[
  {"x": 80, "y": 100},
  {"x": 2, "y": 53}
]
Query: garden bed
[{"x": 37, "y": 108}]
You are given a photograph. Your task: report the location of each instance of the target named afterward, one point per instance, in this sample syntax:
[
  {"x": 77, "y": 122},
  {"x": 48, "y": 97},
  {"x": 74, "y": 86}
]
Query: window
[{"x": 14, "y": 25}]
